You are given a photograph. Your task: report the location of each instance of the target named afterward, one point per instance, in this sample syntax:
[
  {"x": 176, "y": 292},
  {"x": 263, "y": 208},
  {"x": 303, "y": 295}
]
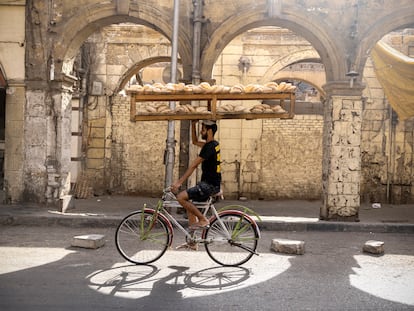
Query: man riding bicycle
[{"x": 209, "y": 157}]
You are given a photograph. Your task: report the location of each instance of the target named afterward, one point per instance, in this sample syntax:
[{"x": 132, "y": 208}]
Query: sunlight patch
[
  {"x": 289, "y": 219},
  {"x": 14, "y": 259},
  {"x": 185, "y": 274},
  {"x": 376, "y": 278}
]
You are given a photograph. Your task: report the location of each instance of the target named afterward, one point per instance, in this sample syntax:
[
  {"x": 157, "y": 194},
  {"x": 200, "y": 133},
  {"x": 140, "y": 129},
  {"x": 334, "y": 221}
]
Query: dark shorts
[{"x": 202, "y": 191}]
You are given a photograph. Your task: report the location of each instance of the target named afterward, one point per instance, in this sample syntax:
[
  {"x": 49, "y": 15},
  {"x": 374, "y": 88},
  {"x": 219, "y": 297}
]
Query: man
[{"x": 209, "y": 184}]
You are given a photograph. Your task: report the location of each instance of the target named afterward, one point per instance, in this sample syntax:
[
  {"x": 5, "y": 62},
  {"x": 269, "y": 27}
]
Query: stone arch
[
  {"x": 303, "y": 56},
  {"x": 331, "y": 55},
  {"x": 400, "y": 18},
  {"x": 99, "y": 15},
  {"x": 288, "y": 60},
  {"x": 300, "y": 78},
  {"x": 134, "y": 69}
]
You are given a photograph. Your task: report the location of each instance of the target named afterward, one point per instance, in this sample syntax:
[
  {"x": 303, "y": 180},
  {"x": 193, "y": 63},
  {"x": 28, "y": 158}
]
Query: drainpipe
[
  {"x": 197, "y": 23},
  {"x": 392, "y": 151},
  {"x": 198, "y": 20},
  {"x": 170, "y": 148}
]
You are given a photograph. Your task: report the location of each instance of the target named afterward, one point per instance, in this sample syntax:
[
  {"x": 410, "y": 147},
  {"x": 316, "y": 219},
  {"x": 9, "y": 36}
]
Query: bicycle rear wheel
[
  {"x": 142, "y": 238},
  {"x": 234, "y": 242}
]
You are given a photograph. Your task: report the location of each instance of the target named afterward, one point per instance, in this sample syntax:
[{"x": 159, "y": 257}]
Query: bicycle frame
[
  {"x": 231, "y": 227},
  {"x": 207, "y": 206}
]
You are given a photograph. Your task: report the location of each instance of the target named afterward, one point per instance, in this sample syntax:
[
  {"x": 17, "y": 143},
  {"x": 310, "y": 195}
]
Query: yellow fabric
[{"x": 395, "y": 72}]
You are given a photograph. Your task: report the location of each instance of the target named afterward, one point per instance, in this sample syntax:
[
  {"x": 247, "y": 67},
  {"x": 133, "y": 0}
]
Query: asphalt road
[{"x": 39, "y": 270}]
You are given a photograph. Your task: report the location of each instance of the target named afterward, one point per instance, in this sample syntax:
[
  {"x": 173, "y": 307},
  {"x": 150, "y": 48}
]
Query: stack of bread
[
  {"x": 163, "y": 108},
  {"x": 206, "y": 88},
  {"x": 151, "y": 108},
  {"x": 261, "y": 108},
  {"x": 264, "y": 108}
]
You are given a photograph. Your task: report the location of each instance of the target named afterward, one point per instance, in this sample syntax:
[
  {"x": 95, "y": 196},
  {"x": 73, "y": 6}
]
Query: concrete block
[
  {"x": 288, "y": 246},
  {"x": 89, "y": 241},
  {"x": 373, "y": 247}
]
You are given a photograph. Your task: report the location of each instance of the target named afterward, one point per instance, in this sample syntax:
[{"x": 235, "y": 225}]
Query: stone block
[
  {"x": 373, "y": 247},
  {"x": 93, "y": 241},
  {"x": 288, "y": 246}
]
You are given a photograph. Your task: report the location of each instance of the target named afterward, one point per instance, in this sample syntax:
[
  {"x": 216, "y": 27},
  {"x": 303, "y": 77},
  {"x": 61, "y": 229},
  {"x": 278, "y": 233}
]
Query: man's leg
[{"x": 192, "y": 211}]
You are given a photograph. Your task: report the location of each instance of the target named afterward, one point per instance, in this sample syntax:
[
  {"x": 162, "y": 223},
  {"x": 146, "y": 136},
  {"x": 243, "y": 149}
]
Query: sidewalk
[{"x": 292, "y": 215}]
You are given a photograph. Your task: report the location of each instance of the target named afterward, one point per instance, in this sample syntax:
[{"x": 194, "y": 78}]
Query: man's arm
[
  {"x": 194, "y": 136},
  {"x": 175, "y": 186}
]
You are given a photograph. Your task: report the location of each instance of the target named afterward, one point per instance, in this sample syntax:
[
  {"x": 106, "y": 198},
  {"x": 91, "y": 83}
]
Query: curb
[
  {"x": 113, "y": 221},
  {"x": 338, "y": 227}
]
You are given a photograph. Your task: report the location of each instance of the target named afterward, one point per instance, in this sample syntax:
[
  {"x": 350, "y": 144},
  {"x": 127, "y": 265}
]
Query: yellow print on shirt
[{"x": 218, "y": 169}]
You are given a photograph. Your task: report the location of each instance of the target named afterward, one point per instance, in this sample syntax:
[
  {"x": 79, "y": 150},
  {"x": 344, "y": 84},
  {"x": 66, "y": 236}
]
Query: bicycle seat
[{"x": 212, "y": 199}]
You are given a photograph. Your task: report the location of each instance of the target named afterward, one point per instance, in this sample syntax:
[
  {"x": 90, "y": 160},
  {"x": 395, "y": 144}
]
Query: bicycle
[{"x": 143, "y": 236}]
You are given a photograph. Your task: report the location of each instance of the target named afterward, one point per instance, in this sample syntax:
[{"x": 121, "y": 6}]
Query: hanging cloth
[{"x": 395, "y": 72}]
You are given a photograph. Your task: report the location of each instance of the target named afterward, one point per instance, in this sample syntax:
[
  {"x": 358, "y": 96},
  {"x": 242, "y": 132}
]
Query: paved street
[{"x": 39, "y": 270}]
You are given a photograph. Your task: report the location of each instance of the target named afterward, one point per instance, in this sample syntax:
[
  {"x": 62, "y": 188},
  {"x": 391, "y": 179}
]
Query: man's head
[{"x": 208, "y": 125}]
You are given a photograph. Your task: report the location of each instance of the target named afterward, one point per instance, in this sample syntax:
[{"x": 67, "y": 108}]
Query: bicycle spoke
[
  {"x": 235, "y": 250},
  {"x": 141, "y": 238}
]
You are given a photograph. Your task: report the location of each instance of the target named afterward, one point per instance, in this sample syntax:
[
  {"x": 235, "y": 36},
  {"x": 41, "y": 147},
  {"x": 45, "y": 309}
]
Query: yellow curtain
[{"x": 395, "y": 72}]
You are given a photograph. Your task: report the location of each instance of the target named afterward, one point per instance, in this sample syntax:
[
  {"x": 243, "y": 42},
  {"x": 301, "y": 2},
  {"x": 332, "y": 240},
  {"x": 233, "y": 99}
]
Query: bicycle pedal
[{"x": 189, "y": 246}]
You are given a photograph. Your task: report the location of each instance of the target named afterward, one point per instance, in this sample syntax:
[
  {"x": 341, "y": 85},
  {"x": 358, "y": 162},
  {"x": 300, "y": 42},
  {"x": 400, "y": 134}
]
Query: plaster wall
[
  {"x": 12, "y": 62},
  {"x": 12, "y": 41}
]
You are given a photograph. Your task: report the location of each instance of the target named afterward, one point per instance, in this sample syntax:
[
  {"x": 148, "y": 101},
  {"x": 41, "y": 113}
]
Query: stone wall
[
  {"x": 137, "y": 152},
  {"x": 291, "y": 160},
  {"x": 386, "y": 149},
  {"x": 269, "y": 159},
  {"x": 12, "y": 56},
  {"x": 39, "y": 46},
  {"x": 13, "y": 179}
]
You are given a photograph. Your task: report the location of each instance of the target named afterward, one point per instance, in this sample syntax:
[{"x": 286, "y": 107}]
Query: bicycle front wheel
[
  {"x": 142, "y": 238},
  {"x": 231, "y": 239}
]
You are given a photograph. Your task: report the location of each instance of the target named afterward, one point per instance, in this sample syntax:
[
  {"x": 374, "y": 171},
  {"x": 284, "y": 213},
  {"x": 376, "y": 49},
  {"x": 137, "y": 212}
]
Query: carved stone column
[
  {"x": 47, "y": 141},
  {"x": 341, "y": 167},
  {"x": 14, "y": 142}
]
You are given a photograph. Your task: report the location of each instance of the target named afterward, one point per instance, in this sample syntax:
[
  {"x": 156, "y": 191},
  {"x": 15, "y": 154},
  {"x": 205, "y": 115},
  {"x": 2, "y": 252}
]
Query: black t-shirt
[{"x": 211, "y": 171}]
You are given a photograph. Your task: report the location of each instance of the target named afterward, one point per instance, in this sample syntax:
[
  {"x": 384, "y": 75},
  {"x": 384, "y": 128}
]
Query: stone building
[{"x": 66, "y": 122}]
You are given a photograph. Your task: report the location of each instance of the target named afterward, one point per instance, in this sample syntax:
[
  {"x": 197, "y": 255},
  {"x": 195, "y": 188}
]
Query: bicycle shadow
[{"x": 148, "y": 281}]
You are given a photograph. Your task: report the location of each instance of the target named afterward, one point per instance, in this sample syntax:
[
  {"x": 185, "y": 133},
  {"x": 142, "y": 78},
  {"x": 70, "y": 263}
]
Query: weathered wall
[
  {"x": 387, "y": 148},
  {"x": 291, "y": 161},
  {"x": 341, "y": 32},
  {"x": 253, "y": 152},
  {"x": 262, "y": 158},
  {"x": 12, "y": 53},
  {"x": 137, "y": 152}
]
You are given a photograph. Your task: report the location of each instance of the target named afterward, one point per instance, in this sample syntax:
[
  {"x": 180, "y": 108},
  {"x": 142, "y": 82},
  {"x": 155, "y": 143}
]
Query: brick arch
[
  {"x": 400, "y": 18},
  {"x": 73, "y": 33},
  {"x": 138, "y": 66},
  {"x": 314, "y": 31}
]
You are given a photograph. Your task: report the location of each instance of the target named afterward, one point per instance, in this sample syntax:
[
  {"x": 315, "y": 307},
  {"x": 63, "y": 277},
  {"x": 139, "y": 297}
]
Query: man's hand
[{"x": 175, "y": 187}]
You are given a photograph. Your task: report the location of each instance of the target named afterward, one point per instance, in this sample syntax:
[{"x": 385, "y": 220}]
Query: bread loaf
[
  {"x": 151, "y": 109},
  {"x": 206, "y": 88},
  {"x": 237, "y": 89}
]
